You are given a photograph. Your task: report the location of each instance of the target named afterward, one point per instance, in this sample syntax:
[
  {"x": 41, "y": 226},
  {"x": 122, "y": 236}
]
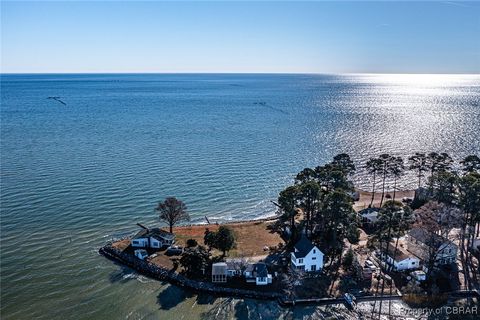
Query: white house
[
  {"x": 306, "y": 256},
  {"x": 153, "y": 238},
  {"x": 423, "y": 243},
  {"x": 369, "y": 216},
  {"x": 257, "y": 273},
  {"x": 400, "y": 259}
]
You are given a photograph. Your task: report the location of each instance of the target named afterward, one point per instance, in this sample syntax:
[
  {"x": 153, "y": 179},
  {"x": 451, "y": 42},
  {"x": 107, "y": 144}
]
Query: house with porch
[
  {"x": 257, "y": 273},
  {"x": 306, "y": 256},
  {"x": 425, "y": 244},
  {"x": 152, "y": 238}
]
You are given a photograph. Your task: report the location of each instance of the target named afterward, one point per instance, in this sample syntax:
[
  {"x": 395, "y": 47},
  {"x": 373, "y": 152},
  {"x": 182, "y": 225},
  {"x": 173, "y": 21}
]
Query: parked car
[
  {"x": 174, "y": 251},
  {"x": 350, "y": 300}
]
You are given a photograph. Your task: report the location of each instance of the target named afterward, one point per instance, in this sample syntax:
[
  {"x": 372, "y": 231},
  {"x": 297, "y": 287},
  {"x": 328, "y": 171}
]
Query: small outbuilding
[
  {"x": 219, "y": 272},
  {"x": 141, "y": 254}
]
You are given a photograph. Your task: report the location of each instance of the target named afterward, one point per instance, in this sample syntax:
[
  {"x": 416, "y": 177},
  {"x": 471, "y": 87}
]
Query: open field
[{"x": 251, "y": 237}]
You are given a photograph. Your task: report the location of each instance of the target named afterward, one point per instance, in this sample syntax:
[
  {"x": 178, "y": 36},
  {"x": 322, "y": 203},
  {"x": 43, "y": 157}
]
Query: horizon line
[{"x": 247, "y": 72}]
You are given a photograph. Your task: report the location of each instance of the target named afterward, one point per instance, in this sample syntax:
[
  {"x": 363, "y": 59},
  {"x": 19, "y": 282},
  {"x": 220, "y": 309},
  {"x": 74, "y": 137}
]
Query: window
[
  {"x": 313, "y": 250},
  {"x": 413, "y": 262},
  {"x": 300, "y": 260},
  {"x": 313, "y": 268},
  {"x": 314, "y": 258}
]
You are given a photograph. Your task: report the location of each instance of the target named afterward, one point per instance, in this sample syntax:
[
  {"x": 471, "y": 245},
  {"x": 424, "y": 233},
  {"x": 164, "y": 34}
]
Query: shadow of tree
[
  {"x": 307, "y": 312},
  {"x": 203, "y": 298},
  {"x": 172, "y": 296},
  {"x": 241, "y": 310}
]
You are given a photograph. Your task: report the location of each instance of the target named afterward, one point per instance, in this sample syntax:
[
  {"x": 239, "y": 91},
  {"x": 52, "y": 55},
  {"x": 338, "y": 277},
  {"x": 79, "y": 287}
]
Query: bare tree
[
  {"x": 172, "y": 211},
  {"x": 434, "y": 223}
]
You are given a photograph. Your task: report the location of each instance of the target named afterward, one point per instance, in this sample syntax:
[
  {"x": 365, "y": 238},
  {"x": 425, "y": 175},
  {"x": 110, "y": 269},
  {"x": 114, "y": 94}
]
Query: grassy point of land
[{"x": 251, "y": 237}]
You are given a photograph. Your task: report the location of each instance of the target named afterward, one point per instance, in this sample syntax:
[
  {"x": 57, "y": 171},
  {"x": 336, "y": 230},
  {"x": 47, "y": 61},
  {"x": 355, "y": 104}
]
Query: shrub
[
  {"x": 191, "y": 243},
  {"x": 347, "y": 260}
]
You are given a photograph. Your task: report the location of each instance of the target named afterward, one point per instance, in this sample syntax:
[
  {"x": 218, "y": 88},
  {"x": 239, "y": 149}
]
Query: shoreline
[
  {"x": 174, "y": 278},
  {"x": 162, "y": 274},
  {"x": 364, "y": 200},
  {"x": 253, "y": 242}
]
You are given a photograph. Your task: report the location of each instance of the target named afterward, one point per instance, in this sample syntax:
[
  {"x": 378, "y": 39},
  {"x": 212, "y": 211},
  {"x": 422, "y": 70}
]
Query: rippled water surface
[{"x": 74, "y": 175}]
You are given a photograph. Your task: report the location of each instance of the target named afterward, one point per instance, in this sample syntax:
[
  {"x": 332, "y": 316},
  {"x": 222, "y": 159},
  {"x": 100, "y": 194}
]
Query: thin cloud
[{"x": 456, "y": 4}]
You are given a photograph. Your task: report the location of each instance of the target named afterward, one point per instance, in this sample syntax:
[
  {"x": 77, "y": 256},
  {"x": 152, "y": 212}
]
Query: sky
[{"x": 228, "y": 36}]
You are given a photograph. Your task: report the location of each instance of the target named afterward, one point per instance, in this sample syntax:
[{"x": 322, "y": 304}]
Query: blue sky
[{"x": 303, "y": 37}]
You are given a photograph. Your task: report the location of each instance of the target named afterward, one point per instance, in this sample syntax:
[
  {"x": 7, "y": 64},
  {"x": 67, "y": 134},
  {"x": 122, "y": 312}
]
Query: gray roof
[
  {"x": 427, "y": 238},
  {"x": 258, "y": 270},
  {"x": 234, "y": 264},
  {"x": 400, "y": 253},
  {"x": 369, "y": 211},
  {"x": 219, "y": 268},
  {"x": 303, "y": 247},
  {"x": 141, "y": 234},
  {"x": 156, "y": 233}
]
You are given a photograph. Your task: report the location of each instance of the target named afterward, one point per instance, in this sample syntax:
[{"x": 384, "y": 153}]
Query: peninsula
[{"x": 329, "y": 241}]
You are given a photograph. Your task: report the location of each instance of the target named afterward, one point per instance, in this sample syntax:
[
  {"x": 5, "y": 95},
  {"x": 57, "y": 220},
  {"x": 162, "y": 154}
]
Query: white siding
[
  {"x": 261, "y": 281},
  {"x": 409, "y": 263},
  {"x": 313, "y": 261},
  {"x": 154, "y": 243},
  {"x": 140, "y": 242}
]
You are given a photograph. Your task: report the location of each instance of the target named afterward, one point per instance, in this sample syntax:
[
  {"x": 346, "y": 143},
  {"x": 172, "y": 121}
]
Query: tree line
[
  {"x": 320, "y": 199},
  {"x": 320, "y": 203}
]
